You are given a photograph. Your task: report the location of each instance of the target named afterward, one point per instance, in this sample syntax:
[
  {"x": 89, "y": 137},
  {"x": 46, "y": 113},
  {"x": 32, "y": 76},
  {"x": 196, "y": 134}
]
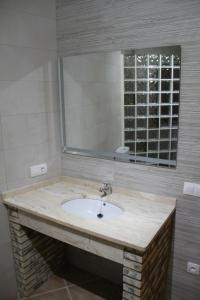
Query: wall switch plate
[
  {"x": 38, "y": 170},
  {"x": 191, "y": 189},
  {"x": 193, "y": 268}
]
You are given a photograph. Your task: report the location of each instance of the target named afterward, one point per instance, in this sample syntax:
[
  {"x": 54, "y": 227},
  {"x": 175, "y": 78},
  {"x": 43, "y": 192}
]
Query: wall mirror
[{"x": 122, "y": 105}]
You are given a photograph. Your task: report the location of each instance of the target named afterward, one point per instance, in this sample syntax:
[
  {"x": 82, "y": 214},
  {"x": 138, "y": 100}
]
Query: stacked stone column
[
  {"x": 145, "y": 274},
  {"x": 36, "y": 256}
]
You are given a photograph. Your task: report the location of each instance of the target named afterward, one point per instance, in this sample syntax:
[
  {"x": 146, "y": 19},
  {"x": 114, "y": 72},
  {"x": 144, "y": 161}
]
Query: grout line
[
  {"x": 44, "y": 293},
  {"x": 65, "y": 281},
  {"x": 26, "y": 80},
  {"x": 82, "y": 282},
  {"x": 69, "y": 293},
  {"x": 5, "y": 175},
  {"x": 22, "y": 11},
  {"x": 39, "y": 49}
]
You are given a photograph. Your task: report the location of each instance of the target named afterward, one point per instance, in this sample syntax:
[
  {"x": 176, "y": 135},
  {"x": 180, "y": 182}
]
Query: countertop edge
[
  {"x": 82, "y": 231},
  {"x": 15, "y": 192}
]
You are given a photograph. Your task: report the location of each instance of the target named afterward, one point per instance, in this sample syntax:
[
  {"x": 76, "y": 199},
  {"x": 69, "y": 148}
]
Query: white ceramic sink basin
[{"x": 92, "y": 208}]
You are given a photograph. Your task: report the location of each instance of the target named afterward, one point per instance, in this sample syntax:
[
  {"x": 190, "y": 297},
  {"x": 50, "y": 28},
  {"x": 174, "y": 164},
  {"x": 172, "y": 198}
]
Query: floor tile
[
  {"x": 54, "y": 282},
  {"x": 79, "y": 293},
  {"x": 98, "y": 289},
  {"x": 81, "y": 285},
  {"x": 58, "y": 295},
  {"x": 75, "y": 276}
]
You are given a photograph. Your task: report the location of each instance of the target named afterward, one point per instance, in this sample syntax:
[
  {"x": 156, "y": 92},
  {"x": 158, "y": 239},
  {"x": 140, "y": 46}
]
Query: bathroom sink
[{"x": 92, "y": 208}]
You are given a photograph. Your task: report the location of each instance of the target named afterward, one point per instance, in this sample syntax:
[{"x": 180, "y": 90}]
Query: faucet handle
[{"x": 106, "y": 188}]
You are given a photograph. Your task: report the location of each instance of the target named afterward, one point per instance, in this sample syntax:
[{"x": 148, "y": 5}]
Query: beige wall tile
[{"x": 125, "y": 24}]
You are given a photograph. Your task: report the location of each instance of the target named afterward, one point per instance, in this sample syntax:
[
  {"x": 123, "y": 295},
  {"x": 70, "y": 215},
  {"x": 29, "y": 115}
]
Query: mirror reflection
[{"x": 122, "y": 105}]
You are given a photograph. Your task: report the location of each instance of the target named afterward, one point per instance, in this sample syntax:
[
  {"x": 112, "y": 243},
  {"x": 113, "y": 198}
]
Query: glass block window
[{"x": 151, "y": 104}]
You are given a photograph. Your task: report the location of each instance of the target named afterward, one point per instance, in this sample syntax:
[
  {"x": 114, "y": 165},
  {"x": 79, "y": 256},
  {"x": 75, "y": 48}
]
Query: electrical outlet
[
  {"x": 38, "y": 170},
  {"x": 193, "y": 268},
  {"x": 191, "y": 189}
]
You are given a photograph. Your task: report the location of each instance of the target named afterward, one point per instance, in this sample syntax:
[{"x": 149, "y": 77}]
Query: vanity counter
[{"x": 144, "y": 214}]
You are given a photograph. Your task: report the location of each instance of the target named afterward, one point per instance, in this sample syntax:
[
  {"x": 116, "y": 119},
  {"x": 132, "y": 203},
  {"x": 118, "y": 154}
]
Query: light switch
[
  {"x": 191, "y": 189},
  {"x": 193, "y": 268},
  {"x": 38, "y": 170}
]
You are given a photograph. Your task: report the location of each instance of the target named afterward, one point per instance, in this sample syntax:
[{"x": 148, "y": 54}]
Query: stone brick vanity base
[
  {"x": 36, "y": 256},
  {"x": 145, "y": 275}
]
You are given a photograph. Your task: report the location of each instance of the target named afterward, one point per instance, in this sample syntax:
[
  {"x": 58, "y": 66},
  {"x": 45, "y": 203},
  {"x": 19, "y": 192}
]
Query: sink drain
[{"x": 100, "y": 216}]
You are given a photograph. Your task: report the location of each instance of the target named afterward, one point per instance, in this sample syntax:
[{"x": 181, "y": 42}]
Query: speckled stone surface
[{"x": 143, "y": 216}]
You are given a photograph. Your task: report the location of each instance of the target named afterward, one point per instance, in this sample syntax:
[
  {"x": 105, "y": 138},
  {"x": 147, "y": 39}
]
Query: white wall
[
  {"x": 92, "y": 89},
  {"x": 29, "y": 132}
]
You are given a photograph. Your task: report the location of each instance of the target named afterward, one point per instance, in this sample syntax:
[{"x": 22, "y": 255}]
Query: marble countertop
[{"x": 143, "y": 215}]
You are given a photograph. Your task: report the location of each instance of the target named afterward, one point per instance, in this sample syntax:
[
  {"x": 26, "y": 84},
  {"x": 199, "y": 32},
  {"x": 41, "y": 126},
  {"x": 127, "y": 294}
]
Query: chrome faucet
[{"x": 106, "y": 189}]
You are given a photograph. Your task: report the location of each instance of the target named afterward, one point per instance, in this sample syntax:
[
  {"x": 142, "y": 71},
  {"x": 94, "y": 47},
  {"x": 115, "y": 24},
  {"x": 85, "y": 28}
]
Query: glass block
[
  {"x": 154, "y": 59},
  {"x": 141, "y": 73},
  {"x": 173, "y": 155},
  {"x": 177, "y": 60},
  {"x": 165, "y": 85},
  {"x": 153, "y": 155},
  {"x": 153, "y": 134},
  {"x": 176, "y": 73},
  {"x": 175, "y": 109},
  {"x": 173, "y": 145},
  {"x": 175, "y": 133},
  {"x": 129, "y": 60},
  {"x": 165, "y": 110},
  {"x": 165, "y": 98},
  {"x": 176, "y": 85},
  {"x": 130, "y": 135},
  {"x": 153, "y": 110},
  {"x": 142, "y": 111},
  {"x": 141, "y": 123},
  {"x": 159, "y": 118},
  {"x": 129, "y": 99},
  {"x": 142, "y": 60},
  {"x": 131, "y": 146},
  {"x": 164, "y": 155},
  {"x": 141, "y": 98},
  {"x": 165, "y": 122},
  {"x": 129, "y": 123},
  {"x": 175, "y": 121},
  {"x": 141, "y": 147},
  {"x": 129, "y": 86},
  {"x": 153, "y": 85},
  {"x": 142, "y": 134},
  {"x": 165, "y": 134},
  {"x": 129, "y": 111},
  {"x": 139, "y": 154},
  {"x": 129, "y": 73},
  {"x": 141, "y": 86},
  {"x": 153, "y": 146},
  {"x": 153, "y": 73},
  {"x": 153, "y": 98},
  {"x": 175, "y": 98},
  {"x": 166, "y": 73},
  {"x": 153, "y": 123},
  {"x": 166, "y": 60},
  {"x": 164, "y": 145}
]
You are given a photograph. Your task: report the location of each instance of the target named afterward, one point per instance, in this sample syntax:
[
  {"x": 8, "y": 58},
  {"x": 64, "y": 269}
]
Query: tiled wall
[
  {"x": 89, "y": 26},
  {"x": 29, "y": 132}
]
